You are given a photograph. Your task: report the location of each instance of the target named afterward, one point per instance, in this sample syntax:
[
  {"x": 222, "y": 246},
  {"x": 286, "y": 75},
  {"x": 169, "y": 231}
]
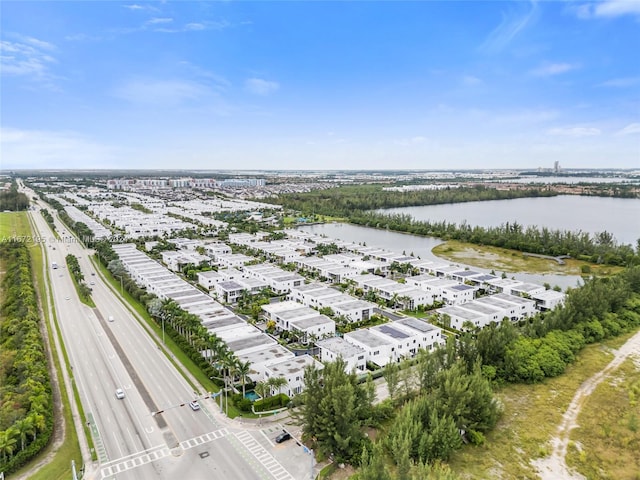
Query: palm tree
[
  {"x": 277, "y": 382},
  {"x": 8, "y": 441},
  {"x": 23, "y": 427},
  {"x": 243, "y": 369},
  {"x": 262, "y": 389},
  {"x": 37, "y": 420},
  {"x": 216, "y": 344}
]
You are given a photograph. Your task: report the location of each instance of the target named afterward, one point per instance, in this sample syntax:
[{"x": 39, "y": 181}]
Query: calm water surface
[
  {"x": 419, "y": 247},
  {"x": 618, "y": 216}
]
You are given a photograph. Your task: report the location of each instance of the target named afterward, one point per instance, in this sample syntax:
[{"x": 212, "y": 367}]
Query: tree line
[
  {"x": 12, "y": 200},
  {"x": 358, "y": 204},
  {"x": 26, "y": 407},
  {"x": 597, "y": 248},
  {"x": 345, "y": 201},
  {"x": 78, "y": 277}
]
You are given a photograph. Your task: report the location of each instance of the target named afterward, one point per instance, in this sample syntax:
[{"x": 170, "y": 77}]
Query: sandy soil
[{"x": 554, "y": 466}]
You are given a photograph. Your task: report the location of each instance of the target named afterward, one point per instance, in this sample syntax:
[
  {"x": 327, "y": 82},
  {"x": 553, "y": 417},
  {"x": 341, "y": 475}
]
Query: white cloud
[
  {"x": 18, "y": 58},
  {"x": 190, "y": 27},
  {"x": 41, "y": 44},
  {"x": 471, "y": 80},
  {"x": 195, "y": 26},
  {"x": 616, "y": 8},
  {"x": 258, "y": 86},
  {"x": 621, "y": 82},
  {"x": 607, "y": 9},
  {"x": 137, "y": 7},
  {"x": 551, "y": 69},
  {"x": 51, "y": 149},
  {"x": 161, "y": 92},
  {"x": 575, "y": 132},
  {"x": 159, "y": 20},
  {"x": 510, "y": 27},
  {"x": 631, "y": 129}
]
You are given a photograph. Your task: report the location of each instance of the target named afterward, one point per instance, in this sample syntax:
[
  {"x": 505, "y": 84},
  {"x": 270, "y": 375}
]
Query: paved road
[{"x": 130, "y": 442}]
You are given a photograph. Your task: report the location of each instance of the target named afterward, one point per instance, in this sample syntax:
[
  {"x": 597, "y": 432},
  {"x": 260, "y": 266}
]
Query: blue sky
[{"x": 320, "y": 85}]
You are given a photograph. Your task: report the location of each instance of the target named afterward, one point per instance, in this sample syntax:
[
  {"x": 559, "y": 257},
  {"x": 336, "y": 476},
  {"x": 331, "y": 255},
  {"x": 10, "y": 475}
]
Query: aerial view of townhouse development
[{"x": 370, "y": 240}]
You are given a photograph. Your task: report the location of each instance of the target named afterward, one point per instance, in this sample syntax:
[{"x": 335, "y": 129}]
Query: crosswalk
[
  {"x": 264, "y": 457},
  {"x": 207, "y": 437},
  {"x": 136, "y": 460}
]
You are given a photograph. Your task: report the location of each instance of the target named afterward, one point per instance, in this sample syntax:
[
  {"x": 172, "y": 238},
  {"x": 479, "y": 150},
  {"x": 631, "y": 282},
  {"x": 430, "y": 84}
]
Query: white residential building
[
  {"x": 293, "y": 371},
  {"x": 353, "y": 355},
  {"x": 379, "y": 350}
]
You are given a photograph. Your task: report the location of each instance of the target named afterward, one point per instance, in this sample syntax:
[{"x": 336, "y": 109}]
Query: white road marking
[
  {"x": 265, "y": 458},
  {"x": 267, "y": 438},
  {"x": 152, "y": 454}
]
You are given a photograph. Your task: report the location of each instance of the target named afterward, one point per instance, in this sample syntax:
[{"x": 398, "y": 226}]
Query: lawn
[
  {"x": 512, "y": 261},
  {"x": 14, "y": 224}
]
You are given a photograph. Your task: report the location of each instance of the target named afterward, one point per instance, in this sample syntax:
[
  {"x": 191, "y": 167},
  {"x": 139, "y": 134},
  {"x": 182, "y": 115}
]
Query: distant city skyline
[{"x": 319, "y": 85}]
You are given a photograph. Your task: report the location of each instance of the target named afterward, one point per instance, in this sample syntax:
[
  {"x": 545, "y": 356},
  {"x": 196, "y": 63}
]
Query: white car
[
  {"x": 67, "y": 298},
  {"x": 110, "y": 318},
  {"x": 119, "y": 393},
  {"x": 92, "y": 283},
  {"x": 194, "y": 405}
]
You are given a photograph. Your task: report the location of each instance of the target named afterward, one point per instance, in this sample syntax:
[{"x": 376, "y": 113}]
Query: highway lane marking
[{"x": 265, "y": 458}]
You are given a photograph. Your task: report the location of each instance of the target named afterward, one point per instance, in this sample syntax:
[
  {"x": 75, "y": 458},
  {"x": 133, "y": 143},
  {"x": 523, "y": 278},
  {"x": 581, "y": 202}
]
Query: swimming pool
[{"x": 252, "y": 395}]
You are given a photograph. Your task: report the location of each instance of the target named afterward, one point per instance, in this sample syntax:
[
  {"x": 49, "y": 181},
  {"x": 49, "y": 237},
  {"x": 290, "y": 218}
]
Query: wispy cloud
[
  {"x": 512, "y": 24},
  {"x": 158, "y": 20},
  {"x": 42, "y": 148},
  {"x": 258, "y": 86},
  {"x": 621, "y": 82},
  {"x": 29, "y": 57},
  {"x": 82, "y": 37},
  {"x": 608, "y": 9},
  {"x": 162, "y": 93},
  {"x": 575, "y": 132},
  {"x": 191, "y": 26},
  {"x": 551, "y": 69},
  {"x": 135, "y": 6},
  {"x": 631, "y": 129},
  {"x": 471, "y": 80}
]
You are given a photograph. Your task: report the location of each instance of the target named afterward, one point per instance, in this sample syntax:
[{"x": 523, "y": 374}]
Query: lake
[
  {"x": 618, "y": 216},
  {"x": 419, "y": 247}
]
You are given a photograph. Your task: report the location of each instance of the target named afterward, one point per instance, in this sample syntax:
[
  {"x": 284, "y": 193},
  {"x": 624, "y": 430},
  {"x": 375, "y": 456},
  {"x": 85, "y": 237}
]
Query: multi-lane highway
[{"x": 130, "y": 442}]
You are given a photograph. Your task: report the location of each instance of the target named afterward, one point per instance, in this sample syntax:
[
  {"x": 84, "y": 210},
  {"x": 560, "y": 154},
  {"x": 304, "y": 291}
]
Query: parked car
[
  {"x": 119, "y": 393},
  {"x": 194, "y": 405},
  {"x": 283, "y": 437}
]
